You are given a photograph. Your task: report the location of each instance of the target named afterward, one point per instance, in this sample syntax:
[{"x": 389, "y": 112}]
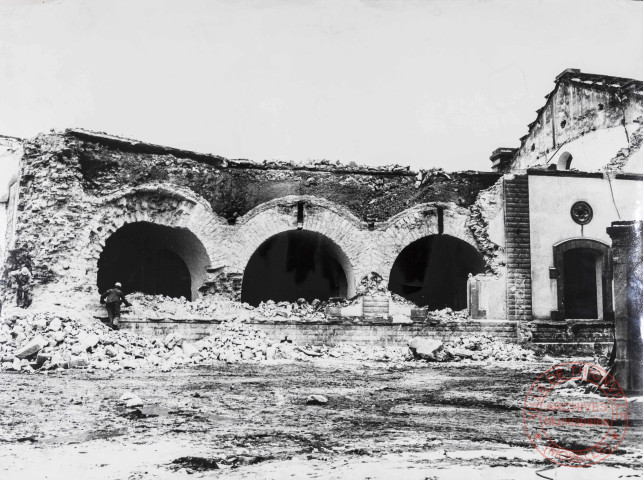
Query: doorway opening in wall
[
  {"x": 296, "y": 264},
  {"x": 584, "y": 283},
  {"x": 153, "y": 259},
  {"x": 433, "y": 272},
  {"x": 581, "y": 283}
]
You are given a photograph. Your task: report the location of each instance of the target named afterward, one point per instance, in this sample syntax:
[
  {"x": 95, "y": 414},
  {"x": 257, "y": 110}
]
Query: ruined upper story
[
  {"x": 104, "y": 164},
  {"x": 588, "y": 123}
]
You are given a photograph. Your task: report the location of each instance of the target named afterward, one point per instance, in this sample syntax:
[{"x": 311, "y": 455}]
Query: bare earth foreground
[{"x": 415, "y": 421}]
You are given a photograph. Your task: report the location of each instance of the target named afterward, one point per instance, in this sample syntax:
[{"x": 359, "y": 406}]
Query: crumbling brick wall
[{"x": 77, "y": 189}]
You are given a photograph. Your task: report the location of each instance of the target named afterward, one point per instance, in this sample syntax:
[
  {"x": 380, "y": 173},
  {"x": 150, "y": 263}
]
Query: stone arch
[
  {"x": 307, "y": 213},
  {"x": 297, "y": 264},
  {"x": 433, "y": 271},
  {"x": 159, "y": 205},
  {"x": 418, "y": 222},
  {"x": 587, "y": 259},
  {"x": 155, "y": 259}
]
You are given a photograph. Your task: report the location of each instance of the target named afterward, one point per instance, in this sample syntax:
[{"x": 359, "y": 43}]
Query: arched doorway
[
  {"x": 433, "y": 272},
  {"x": 583, "y": 273},
  {"x": 154, "y": 259},
  {"x": 296, "y": 264}
]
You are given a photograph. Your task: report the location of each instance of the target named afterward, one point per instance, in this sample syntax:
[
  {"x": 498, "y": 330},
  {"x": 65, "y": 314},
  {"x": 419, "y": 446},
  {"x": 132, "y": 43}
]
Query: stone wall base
[{"x": 332, "y": 333}]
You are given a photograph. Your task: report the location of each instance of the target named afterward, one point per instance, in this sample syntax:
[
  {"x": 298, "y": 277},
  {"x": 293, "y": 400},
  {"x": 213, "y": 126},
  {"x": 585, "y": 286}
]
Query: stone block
[
  {"x": 32, "y": 347},
  {"x": 425, "y": 348}
]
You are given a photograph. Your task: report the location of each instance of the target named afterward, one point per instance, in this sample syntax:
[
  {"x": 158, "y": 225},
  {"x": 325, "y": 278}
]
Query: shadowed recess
[
  {"x": 433, "y": 272},
  {"x": 153, "y": 259},
  {"x": 296, "y": 264},
  {"x": 582, "y": 282}
]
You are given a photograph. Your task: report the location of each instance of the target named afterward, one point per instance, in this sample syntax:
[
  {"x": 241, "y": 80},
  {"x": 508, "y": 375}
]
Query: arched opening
[
  {"x": 564, "y": 161},
  {"x": 297, "y": 264},
  {"x": 154, "y": 259},
  {"x": 584, "y": 279},
  {"x": 433, "y": 272}
]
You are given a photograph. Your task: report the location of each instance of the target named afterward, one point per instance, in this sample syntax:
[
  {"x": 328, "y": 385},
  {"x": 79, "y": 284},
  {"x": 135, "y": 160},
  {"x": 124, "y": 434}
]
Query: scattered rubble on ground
[
  {"x": 316, "y": 400},
  {"x": 476, "y": 348}
]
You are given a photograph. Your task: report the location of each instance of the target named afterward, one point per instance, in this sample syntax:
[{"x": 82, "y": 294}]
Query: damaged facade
[{"x": 524, "y": 248}]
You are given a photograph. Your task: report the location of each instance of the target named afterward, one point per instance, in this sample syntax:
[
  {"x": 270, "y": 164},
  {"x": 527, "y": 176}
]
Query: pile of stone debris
[
  {"x": 32, "y": 341},
  {"x": 43, "y": 342},
  {"x": 471, "y": 348},
  {"x": 447, "y": 314},
  {"x": 218, "y": 308},
  {"x": 160, "y": 306},
  {"x": 300, "y": 309}
]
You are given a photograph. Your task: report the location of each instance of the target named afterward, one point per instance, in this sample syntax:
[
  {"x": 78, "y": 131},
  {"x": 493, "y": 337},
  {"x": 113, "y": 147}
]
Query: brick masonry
[
  {"x": 518, "y": 248},
  {"x": 332, "y": 333}
]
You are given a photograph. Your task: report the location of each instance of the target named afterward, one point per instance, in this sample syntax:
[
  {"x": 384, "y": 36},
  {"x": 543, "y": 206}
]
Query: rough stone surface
[
  {"x": 425, "y": 349},
  {"x": 32, "y": 347}
]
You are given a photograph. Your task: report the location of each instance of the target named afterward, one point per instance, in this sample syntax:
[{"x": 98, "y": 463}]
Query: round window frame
[{"x": 575, "y": 216}]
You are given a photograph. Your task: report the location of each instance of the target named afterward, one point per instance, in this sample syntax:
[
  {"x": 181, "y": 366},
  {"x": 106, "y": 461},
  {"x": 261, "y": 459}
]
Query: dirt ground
[{"x": 414, "y": 421}]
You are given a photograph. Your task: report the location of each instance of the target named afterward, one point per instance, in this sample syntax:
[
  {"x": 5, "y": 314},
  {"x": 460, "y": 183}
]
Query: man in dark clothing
[
  {"x": 112, "y": 299},
  {"x": 23, "y": 286}
]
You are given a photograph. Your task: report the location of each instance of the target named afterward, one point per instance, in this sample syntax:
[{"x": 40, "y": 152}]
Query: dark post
[{"x": 628, "y": 301}]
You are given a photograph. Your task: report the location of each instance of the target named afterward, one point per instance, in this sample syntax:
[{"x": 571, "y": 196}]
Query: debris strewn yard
[{"x": 318, "y": 417}]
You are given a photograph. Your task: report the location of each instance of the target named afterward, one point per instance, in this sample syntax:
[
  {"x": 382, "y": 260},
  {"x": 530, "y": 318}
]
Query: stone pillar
[{"x": 627, "y": 255}]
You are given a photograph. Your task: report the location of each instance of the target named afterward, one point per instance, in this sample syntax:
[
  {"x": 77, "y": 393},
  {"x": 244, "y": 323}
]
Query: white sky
[{"x": 432, "y": 83}]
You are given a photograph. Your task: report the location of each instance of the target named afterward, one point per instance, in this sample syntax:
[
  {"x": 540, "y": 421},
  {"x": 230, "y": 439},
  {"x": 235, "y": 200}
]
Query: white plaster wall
[
  {"x": 592, "y": 151},
  {"x": 635, "y": 162},
  {"x": 550, "y": 201}
]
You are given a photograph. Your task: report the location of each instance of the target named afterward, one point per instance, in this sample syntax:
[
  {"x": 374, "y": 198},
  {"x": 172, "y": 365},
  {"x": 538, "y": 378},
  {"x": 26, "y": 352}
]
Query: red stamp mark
[{"x": 569, "y": 427}]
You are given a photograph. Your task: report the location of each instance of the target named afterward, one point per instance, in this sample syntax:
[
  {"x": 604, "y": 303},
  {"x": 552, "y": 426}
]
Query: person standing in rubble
[
  {"x": 112, "y": 299},
  {"x": 22, "y": 279}
]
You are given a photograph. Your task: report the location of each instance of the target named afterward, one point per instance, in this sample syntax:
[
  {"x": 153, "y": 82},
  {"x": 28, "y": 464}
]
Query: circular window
[{"x": 582, "y": 213}]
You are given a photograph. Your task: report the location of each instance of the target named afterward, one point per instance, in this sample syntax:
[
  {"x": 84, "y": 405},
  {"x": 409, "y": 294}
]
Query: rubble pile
[
  {"x": 160, "y": 306},
  {"x": 426, "y": 176},
  {"x": 447, "y": 314},
  {"x": 484, "y": 347},
  {"x": 42, "y": 341},
  {"x": 474, "y": 348},
  {"x": 299, "y": 309},
  {"x": 220, "y": 308}
]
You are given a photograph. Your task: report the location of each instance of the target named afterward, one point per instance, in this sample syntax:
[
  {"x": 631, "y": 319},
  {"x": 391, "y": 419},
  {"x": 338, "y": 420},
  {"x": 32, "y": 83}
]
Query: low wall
[
  {"x": 331, "y": 333},
  {"x": 571, "y": 337}
]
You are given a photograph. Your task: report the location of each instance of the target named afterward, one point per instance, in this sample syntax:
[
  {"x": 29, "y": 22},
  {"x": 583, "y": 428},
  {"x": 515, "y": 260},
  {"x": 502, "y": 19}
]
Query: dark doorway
[
  {"x": 295, "y": 264},
  {"x": 580, "y": 283},
  {"x": 433, "y": 272},
  {"x": 583, "y": 273},
  {"x": 153, "y": 259}
]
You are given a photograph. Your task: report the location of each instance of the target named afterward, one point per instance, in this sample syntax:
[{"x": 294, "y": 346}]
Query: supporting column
[{"x": 628, "y": 302}]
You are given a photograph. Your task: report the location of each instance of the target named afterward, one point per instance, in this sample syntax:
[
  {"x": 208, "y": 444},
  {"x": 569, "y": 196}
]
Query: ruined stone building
[{"x": 523, "y": 248}]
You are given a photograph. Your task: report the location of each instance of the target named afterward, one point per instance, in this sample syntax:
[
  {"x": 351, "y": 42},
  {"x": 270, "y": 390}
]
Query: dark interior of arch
[
  {"x": 292, "y": 265},
  {"x": 149, "y": 258},
  {"x": 433, "y": 272}
]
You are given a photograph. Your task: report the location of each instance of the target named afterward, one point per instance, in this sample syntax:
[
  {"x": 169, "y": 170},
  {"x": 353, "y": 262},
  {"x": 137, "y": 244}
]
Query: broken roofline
[
  {"x": 587, "y": 80},
  {"x": 136, "y": 146}
]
